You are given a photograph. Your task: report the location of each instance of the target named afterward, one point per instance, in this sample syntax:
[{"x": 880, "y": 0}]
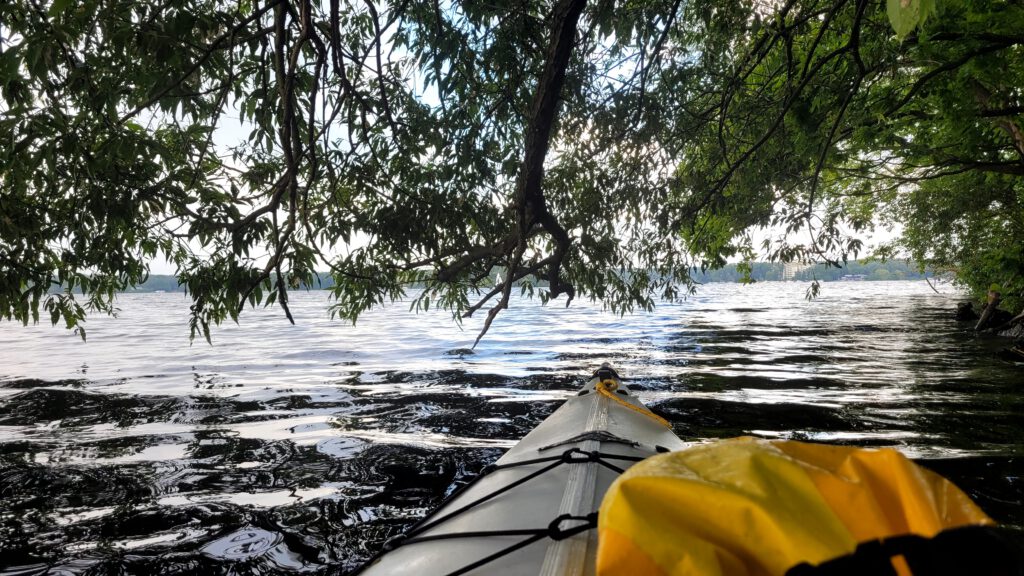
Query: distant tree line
[
  {"x": 159, "y": 283},
  {"x": 759, "y": 272},
  {"x": 768, "y": 271}
]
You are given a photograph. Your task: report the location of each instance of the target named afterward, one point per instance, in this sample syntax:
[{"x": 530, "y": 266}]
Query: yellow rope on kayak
[{"x": 607, "y": 388}]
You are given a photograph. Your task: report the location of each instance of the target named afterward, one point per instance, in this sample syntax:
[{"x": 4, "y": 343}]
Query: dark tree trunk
[
  {"x": 528, "y": 201},
  {"x": 529, "y": 197}
]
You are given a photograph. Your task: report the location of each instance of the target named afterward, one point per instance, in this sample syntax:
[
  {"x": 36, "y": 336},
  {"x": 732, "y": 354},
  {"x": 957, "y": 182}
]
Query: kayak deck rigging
[{"x": 533, "y": 511}]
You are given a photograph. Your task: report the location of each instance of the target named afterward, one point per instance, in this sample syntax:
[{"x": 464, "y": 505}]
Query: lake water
[{"x": 305, "y": 447}]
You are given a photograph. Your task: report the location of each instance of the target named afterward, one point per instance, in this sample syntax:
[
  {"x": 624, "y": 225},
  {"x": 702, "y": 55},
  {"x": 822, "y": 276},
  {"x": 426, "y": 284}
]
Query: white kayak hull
[{"x": 560, "y": 469}]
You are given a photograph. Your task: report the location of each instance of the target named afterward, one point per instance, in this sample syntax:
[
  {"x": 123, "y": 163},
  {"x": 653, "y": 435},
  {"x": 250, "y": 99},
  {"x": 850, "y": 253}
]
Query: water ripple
[{"x": 303, "y": 448}]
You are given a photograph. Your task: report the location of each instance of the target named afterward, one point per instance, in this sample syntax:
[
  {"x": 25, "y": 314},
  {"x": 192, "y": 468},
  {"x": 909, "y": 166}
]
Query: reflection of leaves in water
[
  {"x": 74, "y": 408},
  {"x": 703, "y": 418},
  {"x": 993, "y": 482},
  {"x": 339, "y": 530},
  {"x": 25, "y": 485},
  {"x": 302, "y": 471},
  {"x": 28, "y": 383}
]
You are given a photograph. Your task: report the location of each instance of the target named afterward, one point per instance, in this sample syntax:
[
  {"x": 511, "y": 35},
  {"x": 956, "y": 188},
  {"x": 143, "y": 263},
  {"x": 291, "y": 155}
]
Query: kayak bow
[{"x": 533, "y": 511}]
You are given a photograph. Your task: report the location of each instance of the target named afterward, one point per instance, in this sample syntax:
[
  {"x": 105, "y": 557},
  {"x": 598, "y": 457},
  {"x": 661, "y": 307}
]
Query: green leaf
[
  {"x": 58, "y": 7},
  {"x": 906, "y": 15}
]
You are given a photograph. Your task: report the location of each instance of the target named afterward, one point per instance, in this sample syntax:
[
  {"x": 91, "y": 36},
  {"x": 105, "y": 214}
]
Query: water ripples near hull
[{"x": 304, "y": 448}]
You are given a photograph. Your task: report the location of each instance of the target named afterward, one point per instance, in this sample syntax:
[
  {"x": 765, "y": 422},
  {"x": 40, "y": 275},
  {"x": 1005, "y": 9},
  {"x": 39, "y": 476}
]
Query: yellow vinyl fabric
[{"x": 754, "y": 507}]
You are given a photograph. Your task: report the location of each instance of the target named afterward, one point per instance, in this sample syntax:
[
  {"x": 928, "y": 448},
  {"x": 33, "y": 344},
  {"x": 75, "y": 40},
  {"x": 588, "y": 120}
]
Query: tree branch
[
  {"x": 210, "y": 49},
  {"x": 528, "y": 199}
]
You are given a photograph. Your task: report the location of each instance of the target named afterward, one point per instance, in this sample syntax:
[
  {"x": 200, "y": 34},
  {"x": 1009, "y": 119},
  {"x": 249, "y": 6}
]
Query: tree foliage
[
  {"x": 393, "y": 142},
  {"x": 823, "y": 121},
  {"x": 599, "y": 148}
]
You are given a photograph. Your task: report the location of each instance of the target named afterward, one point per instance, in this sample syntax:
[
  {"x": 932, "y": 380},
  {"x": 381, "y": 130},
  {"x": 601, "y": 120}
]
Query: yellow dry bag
[{"x": 753, "y": 507}]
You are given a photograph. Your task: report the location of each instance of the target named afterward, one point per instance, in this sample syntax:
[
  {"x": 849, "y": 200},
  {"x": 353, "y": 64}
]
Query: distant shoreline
[{"x": 759, "y": 272}]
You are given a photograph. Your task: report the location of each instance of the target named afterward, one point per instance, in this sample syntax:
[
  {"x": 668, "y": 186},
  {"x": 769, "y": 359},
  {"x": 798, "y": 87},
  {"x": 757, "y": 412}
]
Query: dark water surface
[{"x": 302, "y": 448}]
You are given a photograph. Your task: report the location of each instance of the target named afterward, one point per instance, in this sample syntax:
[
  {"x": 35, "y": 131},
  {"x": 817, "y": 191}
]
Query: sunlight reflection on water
[{"x": 305, "y": 447}]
